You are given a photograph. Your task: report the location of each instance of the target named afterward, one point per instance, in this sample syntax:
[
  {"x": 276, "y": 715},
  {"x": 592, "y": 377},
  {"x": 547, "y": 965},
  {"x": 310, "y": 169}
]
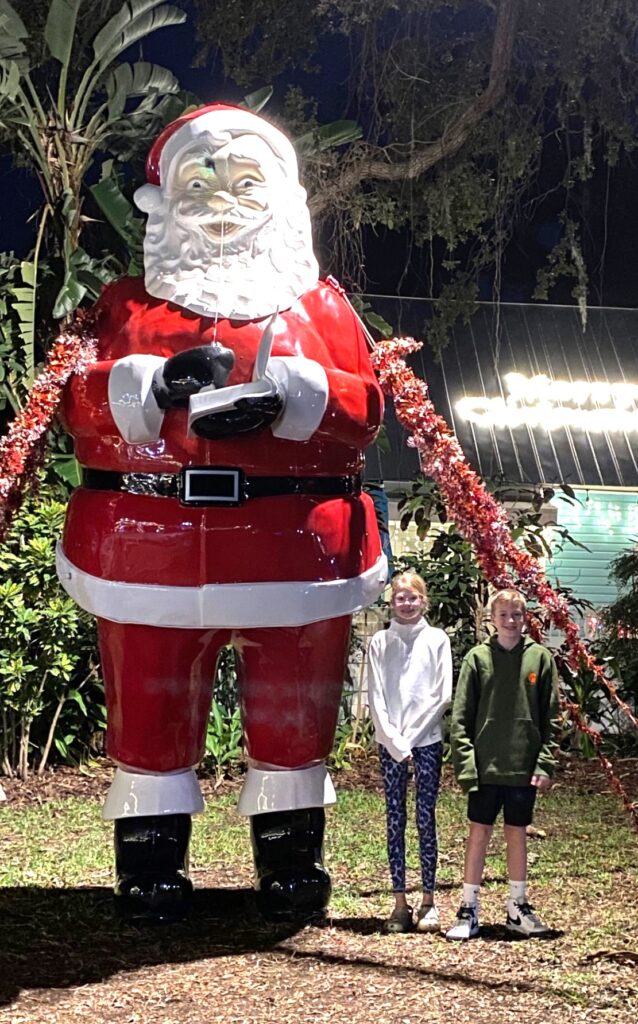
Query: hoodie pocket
[{"x": 507, "y": 748}]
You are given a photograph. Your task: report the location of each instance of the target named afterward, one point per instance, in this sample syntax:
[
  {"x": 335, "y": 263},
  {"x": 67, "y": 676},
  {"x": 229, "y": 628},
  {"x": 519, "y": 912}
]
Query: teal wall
[{"x": 606, "y": 522}]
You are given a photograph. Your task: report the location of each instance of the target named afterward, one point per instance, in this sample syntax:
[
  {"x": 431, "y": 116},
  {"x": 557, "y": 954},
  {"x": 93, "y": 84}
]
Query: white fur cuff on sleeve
[
  {"x": 304, "y": 384},
  {"x": 133, "y": 407}
]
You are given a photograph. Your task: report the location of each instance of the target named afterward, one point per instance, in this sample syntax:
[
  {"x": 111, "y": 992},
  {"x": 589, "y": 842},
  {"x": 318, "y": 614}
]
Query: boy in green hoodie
[{"x": 506, "y": 699}]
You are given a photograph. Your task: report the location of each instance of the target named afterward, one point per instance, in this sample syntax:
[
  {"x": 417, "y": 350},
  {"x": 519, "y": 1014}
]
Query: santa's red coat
[{"x": 157, "y": 541}]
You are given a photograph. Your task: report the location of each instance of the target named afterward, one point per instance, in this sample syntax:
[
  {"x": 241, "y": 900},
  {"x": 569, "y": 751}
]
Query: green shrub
[
  {"x": 354, "y": 738},
  {"x": 224, "y": 749},
  {"x": 50, "y": 693},
  {"x": 618, "y": 637}
]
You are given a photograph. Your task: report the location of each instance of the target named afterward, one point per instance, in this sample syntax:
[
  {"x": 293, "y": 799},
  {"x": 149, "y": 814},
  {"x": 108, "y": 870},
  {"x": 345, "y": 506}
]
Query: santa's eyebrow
[
  {"x": 196, "y": 163},
  {"x": 239, "y": 158},
  {"x": 245, "y": 165}
]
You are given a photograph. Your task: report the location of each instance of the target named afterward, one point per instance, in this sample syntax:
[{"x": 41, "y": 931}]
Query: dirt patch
[
  {"x": 66, "y": 959},
  {"x": 590, "y": 777}
]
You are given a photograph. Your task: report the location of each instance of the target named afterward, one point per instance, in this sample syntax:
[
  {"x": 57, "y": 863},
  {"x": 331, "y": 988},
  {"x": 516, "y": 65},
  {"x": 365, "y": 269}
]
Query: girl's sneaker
[
  {"x": 466, "y": 925},
  {"x": 427, "y": 919},
  {"x": 522, "y": 920},
  {"x": 399, "y": 921}
]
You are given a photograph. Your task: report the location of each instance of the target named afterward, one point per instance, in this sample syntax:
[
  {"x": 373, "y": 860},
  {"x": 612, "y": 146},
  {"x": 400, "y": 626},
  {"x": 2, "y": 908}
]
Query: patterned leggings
[{"x": 427, "y": 774}]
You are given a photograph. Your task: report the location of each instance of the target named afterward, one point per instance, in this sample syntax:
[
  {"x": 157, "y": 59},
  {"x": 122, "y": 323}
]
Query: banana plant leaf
[
  {"x": 59, "y": 31},
  {"x": 120, "y": 213},
  {"x": 378, "y": 323},
  {"x": 140, "y": 79},
  {"x": 67, "y": 468},
  {"x": 9, "y": 80},
  {"x": 132, "y": 22},
  {"x": 328, "y": 136},
  {"x": 70, "y": 295},
  {"x": 12, "y": 32},
  {"x": 256, "y": 101}
]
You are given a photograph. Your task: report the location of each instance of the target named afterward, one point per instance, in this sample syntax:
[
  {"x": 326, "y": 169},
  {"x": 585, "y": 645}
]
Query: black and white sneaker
[
  {"x": 466, "y": 925},
  {"x": 521, "y": 920}
]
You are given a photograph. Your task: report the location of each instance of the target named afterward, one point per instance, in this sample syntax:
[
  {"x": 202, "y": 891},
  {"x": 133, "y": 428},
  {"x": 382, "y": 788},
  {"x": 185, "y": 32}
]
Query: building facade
[{"x": 536, "y": 397}]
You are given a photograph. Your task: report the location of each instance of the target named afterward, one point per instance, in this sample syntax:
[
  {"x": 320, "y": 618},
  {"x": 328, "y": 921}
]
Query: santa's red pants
[{"x": 159, "y": 689}]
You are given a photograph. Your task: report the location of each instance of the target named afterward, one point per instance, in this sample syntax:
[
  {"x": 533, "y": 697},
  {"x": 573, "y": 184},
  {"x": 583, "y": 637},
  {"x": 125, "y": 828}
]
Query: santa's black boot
[
  {"x": 288, "y": 850},
  {"x": 151, "y": 867}
]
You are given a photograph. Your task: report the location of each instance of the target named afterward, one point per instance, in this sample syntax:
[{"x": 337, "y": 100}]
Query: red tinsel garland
[
  {"x": 483, "y": 522},
  {"x": 23, "y": 449},
  {"x": 478, "y": 516}
]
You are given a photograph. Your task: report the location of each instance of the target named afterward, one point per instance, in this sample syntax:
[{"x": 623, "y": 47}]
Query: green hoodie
[{"x": 502, "y": 717}]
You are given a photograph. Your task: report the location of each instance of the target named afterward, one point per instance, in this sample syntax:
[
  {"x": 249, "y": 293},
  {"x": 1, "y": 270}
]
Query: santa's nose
[{"x": 221, "y": 201}]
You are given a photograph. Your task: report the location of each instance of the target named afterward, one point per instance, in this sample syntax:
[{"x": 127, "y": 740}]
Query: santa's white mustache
[{"x": 209, "y": 215}]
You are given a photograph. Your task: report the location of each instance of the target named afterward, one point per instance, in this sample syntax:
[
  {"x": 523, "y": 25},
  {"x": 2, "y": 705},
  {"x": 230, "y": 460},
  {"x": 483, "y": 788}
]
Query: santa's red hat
[{"x": 214, "y": 119}]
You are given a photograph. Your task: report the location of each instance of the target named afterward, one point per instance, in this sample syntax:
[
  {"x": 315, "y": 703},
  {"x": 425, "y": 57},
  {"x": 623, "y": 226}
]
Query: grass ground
[{"x": 64, "y": 958}]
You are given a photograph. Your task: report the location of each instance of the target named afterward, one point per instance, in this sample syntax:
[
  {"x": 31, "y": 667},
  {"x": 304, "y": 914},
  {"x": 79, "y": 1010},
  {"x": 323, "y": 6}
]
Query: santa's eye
[
  {"x": 195, "y": 185},
  {"x": 245, "y": 183}
]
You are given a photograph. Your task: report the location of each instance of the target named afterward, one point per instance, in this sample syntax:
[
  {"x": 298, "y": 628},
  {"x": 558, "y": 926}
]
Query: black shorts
[{"x": 517, "y": 802}]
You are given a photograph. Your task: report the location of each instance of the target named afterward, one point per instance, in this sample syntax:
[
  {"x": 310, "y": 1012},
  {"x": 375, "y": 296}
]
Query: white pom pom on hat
[{"x": 147, "y": 197}]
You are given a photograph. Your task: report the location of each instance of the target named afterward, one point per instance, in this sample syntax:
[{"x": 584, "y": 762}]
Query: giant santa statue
[{"x": 221, "y": 436}]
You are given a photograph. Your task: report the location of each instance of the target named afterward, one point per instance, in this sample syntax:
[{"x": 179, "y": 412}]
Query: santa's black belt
[{"x": 218, "y": 485}]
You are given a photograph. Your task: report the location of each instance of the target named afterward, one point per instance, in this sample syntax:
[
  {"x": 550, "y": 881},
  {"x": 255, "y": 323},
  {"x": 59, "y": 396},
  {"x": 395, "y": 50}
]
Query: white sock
[
  {"x": 518, "y": 892},
  {"x": 471, "y": 894}
]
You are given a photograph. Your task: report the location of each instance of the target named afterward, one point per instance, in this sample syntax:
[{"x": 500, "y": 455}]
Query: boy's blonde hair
[
  {"x": 509, "y": 596},
  {"x": 411, "y": 581}
]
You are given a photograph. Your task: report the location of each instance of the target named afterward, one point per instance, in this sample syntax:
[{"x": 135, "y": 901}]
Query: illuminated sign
[{"x": 593, "y": 406}]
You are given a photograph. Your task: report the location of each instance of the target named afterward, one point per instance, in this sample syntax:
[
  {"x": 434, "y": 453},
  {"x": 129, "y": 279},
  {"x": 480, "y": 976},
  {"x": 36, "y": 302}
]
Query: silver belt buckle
[
  {"x": 158, "y": 485},
  {"x": 210, "y": 486}
]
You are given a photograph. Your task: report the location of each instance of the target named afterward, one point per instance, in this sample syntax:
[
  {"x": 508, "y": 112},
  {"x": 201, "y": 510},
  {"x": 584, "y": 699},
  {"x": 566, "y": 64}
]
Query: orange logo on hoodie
[{"x": 532, "y": 678}]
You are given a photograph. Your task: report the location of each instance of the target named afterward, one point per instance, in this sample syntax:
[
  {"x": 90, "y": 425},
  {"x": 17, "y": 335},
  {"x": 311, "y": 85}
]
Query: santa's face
[
  {"x": 229, "y": 196},
  {"x": 230, "y": 233}
]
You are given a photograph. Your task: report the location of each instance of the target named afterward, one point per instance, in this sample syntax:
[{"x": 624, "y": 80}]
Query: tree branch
[{"x": 370, "y": 167}]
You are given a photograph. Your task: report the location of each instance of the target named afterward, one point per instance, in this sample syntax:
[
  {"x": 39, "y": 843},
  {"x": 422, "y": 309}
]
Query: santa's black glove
[
  {"x": 188, "y": 372},
  {"x": 247, "y": 414}
]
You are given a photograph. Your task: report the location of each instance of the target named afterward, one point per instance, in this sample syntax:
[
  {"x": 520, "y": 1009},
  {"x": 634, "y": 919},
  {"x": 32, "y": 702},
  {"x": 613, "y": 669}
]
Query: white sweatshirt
[{"x": 409, "y": 685}]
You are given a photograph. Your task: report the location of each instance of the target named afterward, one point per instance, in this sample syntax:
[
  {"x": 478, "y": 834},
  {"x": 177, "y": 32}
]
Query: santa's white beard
[{"x": 242, "y": 278}]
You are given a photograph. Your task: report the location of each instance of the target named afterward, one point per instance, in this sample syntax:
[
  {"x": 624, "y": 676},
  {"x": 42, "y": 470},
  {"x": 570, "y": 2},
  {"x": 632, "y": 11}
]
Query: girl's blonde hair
[
  {"x": 509, "y": 596},
  {"x": 411, "y": 581}
]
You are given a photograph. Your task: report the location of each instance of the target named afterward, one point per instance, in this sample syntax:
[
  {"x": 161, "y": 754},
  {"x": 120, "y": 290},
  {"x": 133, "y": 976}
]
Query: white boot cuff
[
  {"x": 134, "y": 795},
  {"x": 266, "y": 790}
]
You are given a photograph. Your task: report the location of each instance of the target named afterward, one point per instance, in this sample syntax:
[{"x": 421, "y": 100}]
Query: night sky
[{"x": 613, "y": 281}]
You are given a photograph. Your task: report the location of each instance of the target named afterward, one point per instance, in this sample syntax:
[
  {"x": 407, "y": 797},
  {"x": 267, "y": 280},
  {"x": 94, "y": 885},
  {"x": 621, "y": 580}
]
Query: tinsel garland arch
[{"x": 478, "y": 517}]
